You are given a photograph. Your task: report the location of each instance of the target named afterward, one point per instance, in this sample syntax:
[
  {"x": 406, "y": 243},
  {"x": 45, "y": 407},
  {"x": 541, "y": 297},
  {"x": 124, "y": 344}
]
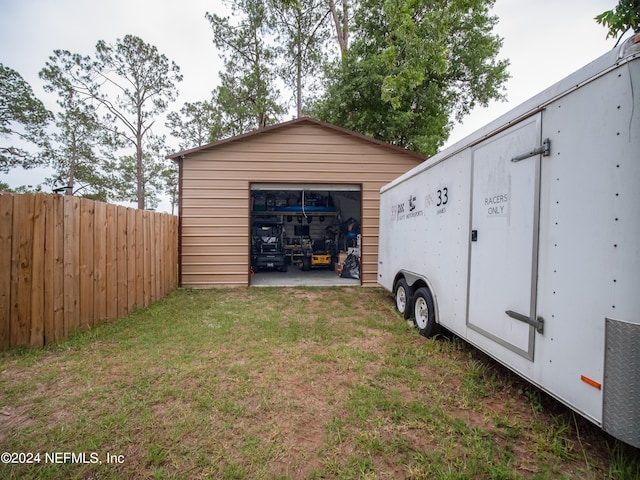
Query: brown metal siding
[{"x": 215, "y": 196}]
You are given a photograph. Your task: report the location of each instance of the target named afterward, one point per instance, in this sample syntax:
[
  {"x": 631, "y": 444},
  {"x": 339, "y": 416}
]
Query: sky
[{"x": 544, "y": 40}]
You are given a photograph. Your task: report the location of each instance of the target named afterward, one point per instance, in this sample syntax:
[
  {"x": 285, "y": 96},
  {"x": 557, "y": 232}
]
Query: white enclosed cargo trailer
[{"x": 524, "y": 240}]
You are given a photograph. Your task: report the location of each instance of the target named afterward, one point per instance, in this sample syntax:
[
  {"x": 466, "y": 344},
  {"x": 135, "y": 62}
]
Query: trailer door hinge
[
  {"x": 538, "y": 323},
  {"x": 544, "y": 149}
]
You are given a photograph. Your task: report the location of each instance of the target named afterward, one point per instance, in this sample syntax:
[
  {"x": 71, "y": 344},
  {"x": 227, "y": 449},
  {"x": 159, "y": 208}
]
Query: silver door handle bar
[
  {"x": 544, "y": 149},
  {"x": 538, "y": 323}
]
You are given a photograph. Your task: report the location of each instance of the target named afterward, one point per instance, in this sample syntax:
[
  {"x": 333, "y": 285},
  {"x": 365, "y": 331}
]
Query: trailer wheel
[
  {"x": 403, "y": 297},
  {"x": 423, "y": 312}
]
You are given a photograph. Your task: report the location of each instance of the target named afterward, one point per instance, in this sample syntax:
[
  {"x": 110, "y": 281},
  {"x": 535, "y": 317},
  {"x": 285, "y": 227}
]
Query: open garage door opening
[{"x": 305, "y": 234}]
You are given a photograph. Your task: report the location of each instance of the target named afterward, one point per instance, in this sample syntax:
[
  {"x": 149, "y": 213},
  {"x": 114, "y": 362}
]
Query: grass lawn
[{"x": 284, "y": 383}]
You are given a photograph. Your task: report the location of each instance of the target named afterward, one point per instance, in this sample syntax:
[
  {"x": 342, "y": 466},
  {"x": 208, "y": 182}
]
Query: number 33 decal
[{"x": 443, "y": 197}]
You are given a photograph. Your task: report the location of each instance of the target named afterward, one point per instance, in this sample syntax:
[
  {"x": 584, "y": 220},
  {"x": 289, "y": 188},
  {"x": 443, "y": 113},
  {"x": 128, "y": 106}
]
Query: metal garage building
[{"x": 312, "y": 179}]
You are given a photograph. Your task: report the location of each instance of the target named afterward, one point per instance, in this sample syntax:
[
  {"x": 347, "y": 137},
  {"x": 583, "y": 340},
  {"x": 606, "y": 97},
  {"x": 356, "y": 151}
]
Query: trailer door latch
[
  {"x": 537, "y": 323},
  {"x": 544, "y": 149}
]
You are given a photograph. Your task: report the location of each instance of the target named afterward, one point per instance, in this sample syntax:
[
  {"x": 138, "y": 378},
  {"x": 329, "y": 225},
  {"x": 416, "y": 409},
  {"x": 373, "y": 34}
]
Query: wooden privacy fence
[{"x": 70, "y": 263}]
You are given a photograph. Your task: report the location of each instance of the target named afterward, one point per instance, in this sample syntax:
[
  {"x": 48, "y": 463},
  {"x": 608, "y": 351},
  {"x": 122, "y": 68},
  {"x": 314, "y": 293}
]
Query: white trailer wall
[{"x": 492, "y": 230}]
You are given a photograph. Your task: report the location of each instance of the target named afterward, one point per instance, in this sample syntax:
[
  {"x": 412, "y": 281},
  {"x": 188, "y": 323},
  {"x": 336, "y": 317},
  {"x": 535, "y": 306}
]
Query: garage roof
[{"x": 183, "y": 153}]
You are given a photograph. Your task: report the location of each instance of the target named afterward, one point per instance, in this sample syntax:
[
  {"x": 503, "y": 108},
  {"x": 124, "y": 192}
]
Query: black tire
[
  {"x": 306, "y": 264},
  {"x": 424, "y": 313},
  {"x": 402, "y": 296}
]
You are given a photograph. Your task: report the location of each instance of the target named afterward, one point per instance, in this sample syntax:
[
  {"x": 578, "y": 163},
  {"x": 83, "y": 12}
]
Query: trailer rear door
[{"x": 504, "y": 235}]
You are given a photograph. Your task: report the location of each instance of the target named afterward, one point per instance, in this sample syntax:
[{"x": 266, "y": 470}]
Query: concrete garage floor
[{"x": 294, "y": 277}]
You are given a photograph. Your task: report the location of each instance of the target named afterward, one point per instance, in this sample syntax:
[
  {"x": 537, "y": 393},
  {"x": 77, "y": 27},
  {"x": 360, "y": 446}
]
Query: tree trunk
[
  {"x": 139, "y": 174},
  {"x": 72, "y": 170},
  {"x": 299, "y": 80},
  {"x": 342, "y": 28}
]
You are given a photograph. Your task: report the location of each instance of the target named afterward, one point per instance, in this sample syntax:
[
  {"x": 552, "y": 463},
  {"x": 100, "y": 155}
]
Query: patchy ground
[{"x": 285, "y": 383}]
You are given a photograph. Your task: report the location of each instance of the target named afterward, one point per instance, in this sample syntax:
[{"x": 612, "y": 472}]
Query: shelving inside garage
[{"x": 311, "y": 212}]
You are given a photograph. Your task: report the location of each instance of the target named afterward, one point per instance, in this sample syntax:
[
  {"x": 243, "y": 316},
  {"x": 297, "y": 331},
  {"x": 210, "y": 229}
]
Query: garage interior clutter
[{"x": 306, "y": 228}]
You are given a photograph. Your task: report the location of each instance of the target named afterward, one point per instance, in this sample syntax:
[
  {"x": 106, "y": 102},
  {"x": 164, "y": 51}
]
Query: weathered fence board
[
  {"x": 131, "y": 263},
  {"x": 21, "y": 271},
  {"x": 36, "y": 332},
  {"x": 111, "y": 262},
  {"x": 100, "y": 263},
  {"x": 85, "y": 248},
  {"x": 71, "y": 229},
  {"x": 68, "y": 263},
  {"x": 6, "y": 235},
  {"x": 122, "y": 262}
]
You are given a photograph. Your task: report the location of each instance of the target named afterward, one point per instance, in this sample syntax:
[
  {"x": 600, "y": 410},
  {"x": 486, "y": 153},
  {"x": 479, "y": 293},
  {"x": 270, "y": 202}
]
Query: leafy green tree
[
  {"x": 411, "y": 66},
  {"x": 124, "y": 181},
  {"x": 196, "y": 124},
  {"x": 23, "y": 119},
  {"x": 247, "y": 94},
  {"x": 169, "y": 179},
  {"x": 72, "y": 148},
  {"x": 625, "y": 17},
  {"x": 132, "y": 82},
  {"x": 302, "y": 33},
  {"x": 28, "y": 189}
]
